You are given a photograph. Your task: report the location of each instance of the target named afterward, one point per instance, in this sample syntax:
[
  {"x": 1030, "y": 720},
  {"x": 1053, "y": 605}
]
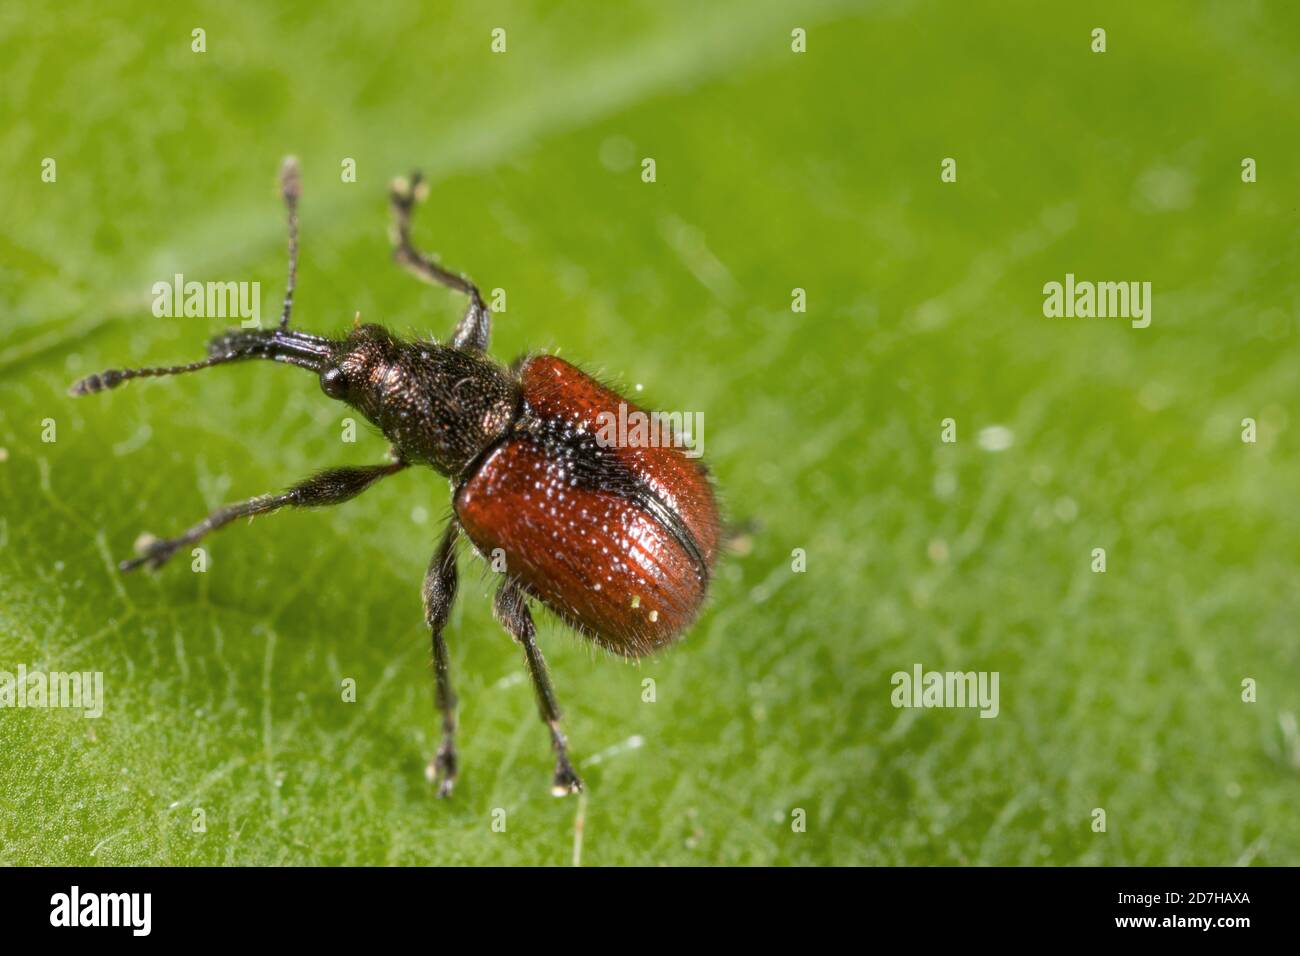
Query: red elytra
[{"x": 597, "y": 557}]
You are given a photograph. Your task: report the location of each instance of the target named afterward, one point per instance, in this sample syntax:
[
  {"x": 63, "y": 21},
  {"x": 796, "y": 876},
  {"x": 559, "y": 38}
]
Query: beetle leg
[
  {"x": 512, "y": 611},
  {"x": 290, "y": 189},
  {"x": 330, "y": 487},
  {"x": 473, "y": 330},
  {"x": 439, "y": 595}
]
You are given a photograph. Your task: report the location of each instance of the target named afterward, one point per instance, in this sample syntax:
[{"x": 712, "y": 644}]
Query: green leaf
[{"x": 775, "y": 171}]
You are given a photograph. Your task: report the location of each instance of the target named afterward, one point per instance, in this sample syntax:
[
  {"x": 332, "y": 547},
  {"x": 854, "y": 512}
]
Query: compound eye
[{"x": 333, "y": 383}]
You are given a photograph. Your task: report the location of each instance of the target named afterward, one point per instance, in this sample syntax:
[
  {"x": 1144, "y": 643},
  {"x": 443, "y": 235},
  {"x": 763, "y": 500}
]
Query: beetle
[{"x": 619, "y": 541}]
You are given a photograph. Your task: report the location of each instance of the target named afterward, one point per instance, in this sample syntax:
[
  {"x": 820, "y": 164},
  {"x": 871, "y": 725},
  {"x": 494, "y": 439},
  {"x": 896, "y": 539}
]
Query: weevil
[{"x": 619, "y": 541}]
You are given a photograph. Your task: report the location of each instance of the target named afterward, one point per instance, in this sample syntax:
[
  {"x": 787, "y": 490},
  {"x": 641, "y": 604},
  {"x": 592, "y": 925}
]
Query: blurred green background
[{"x": 775, "y": 171}]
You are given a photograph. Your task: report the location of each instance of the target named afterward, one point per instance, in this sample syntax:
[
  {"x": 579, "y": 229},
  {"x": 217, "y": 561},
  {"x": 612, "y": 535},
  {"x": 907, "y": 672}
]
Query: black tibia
[
  {"x": 291, "y": 189},
  {"x": 327, "y": 488},
  {"x": 512, "y": 611},
  {"x": 474, "y": 329},
  {"x": 439, "y": 595}
]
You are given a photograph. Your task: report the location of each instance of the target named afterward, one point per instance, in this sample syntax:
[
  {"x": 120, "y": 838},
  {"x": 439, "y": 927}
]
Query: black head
[{"x": 437, "y": 404}]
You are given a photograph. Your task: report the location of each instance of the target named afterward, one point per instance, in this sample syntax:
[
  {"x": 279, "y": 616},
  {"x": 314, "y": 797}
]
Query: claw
[
  {"x": 155, "y": 552},
  {"x": 406, "y": 191},
  {"x": 566, "y": 779},
  {"x": 443, "y": 770}
]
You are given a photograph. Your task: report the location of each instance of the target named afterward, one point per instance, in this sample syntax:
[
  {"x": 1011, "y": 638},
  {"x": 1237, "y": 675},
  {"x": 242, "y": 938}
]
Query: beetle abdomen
[{"x": 619, "y": 541}]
